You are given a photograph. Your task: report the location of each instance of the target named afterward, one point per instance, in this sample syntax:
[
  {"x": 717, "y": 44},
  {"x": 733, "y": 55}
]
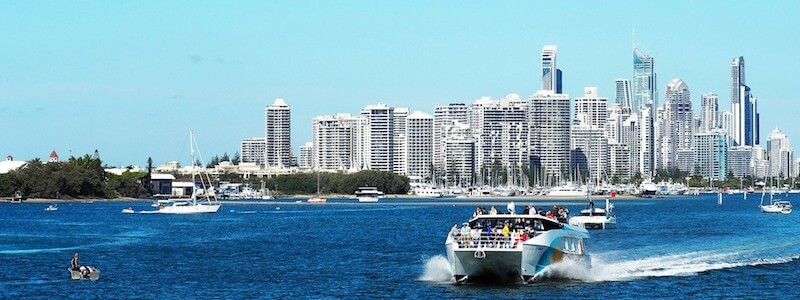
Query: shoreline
[{"x": 445, "y": 200}]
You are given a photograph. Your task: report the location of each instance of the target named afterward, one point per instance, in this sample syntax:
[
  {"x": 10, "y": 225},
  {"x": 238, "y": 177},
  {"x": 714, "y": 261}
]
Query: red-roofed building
[{"x": 53, "y": 157}]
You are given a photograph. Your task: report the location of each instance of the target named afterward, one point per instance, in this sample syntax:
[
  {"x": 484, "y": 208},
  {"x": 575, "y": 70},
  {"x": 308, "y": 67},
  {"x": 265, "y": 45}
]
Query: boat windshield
[{"x": 597, "y": 212}]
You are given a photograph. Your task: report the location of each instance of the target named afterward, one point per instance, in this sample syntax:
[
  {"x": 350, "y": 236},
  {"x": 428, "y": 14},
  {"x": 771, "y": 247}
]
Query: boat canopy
[{"x": 519, "y": 220}]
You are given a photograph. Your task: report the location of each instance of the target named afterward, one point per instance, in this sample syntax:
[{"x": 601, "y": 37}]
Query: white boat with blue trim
[{"x": 484, "y": 251}]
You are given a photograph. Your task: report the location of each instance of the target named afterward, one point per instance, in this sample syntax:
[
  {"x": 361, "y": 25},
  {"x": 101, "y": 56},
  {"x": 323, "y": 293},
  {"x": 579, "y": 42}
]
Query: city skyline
[{"x": 77, "y": 81}]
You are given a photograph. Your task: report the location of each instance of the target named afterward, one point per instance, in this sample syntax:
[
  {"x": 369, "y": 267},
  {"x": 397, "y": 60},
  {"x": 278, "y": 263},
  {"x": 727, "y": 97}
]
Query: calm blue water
[{"x": 675, "y": 248}]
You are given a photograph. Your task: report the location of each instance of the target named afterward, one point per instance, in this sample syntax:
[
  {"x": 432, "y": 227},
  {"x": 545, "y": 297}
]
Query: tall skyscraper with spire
[
  {"x": 744, "y": 107},
  {"x": 644, "y": 101},
  {"x": 644, "y": 80}
]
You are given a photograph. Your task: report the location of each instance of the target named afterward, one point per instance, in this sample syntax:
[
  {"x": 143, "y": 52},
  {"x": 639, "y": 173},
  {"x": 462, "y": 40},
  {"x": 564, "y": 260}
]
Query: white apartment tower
[
  {"x": 334, "y": 142},
  {"x": 502, "y": 133},
  {"x": 278, "y": 135},
  {"x": 675, "y": 124},
  {"x": 781, "y": 155},
  {"x": 306, "y": 156},
  {"x": 252, "y": 150},
  {"x": 709, "y": 110},
  {"x": 399, "y": 157},
  {"x": 379, "y": 137},
  {"x": 710, "y": 155},
  {"x": 444, "y": 117},
  {"x": 459, "y": 150},
  {"x": 419, "y": 145},
  {"x": 549, "y": 120},
  {"x": 591, "y": 109}
]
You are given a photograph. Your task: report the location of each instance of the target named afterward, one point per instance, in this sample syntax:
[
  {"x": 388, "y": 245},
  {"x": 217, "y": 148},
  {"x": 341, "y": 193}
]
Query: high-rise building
[
  {"x": 459, "y": 150},
  {"x": 419, "y": 145},
  {"x": 710, "y": 157},
  {"x": 644, "y": 80},
  {"x": 589, "y": 151},
  {"x": 619, "y": 161},
  {"x": 739, "y": 161},
  {"x": 334, "y": 140},
  {"x": 549, "y": 120},
  {"x": 781, "y": 155},
  {"x": 252, "y": 150},
  {"x": 278, "y": 135},
  {"x": 616, "y": 117},
  {"x": 501, "y": 133},
  {"x": 675, "y": 124},
  {"x": 646, "y": 142},
  {"x": 400, "y": 155},
  {"x": 550, "y": 73},
  {"x": 443, "y": 118},
  {"x": 630, "y": 136},
  {"x": 624, "y": 95},
  {"x": 744, "y": 107},
  {"x": 709, "y": 110},
  {"x": 306, "y": 155},
  {"x": 591, "y": 109},
  {"x": 379, "y": 136}
]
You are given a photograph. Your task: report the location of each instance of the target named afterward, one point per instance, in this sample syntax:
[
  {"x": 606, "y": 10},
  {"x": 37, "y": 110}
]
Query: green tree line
[
  {"x": 79, "y": 177},
  {"x": 334, "y": 183}
]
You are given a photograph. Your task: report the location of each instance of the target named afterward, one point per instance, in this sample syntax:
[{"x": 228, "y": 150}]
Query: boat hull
[
  {"x": 76, "y": 274},
  {"x": 526, "y": 263},
  {"x": 775, "y": 209},
  {"x": 186, "y": 210},
  {"x": 368, "y": 199},
  {"x": 599, "y": 222}
]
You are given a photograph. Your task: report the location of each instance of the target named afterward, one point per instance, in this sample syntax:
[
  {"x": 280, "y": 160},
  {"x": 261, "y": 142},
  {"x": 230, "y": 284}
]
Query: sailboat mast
[{"x": 191, "y": 147}]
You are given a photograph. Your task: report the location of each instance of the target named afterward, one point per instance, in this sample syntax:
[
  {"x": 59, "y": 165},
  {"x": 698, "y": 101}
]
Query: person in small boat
[
  {"x": 74, "y": 262},
  {"x": 591, "y": 207}
]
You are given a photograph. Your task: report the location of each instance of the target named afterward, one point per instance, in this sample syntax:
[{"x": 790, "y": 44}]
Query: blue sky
[{"x": 130, "y": 78}]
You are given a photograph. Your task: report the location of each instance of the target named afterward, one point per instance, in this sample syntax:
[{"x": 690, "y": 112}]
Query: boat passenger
[
  {"x": 465, "y": 233},
  {"x": 550, "y": 215},
  {"x": 591, "y": 207},
  {"x": 493, "y": 211},
  {"x": 537, "y": 225},
  {"x": 506, "y": 237},
  {"x": 74, "y": 262},
  {"x": 532, "y": 210},
  {"x": 511, "y": 208}
]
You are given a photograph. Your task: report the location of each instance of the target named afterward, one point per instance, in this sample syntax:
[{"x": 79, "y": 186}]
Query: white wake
[{"x": 437, "y": 269}]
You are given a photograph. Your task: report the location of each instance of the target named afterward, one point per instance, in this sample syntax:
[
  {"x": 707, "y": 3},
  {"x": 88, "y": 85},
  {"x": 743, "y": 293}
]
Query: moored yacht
[
  {"x": 775, "y": 205},
  {"x": 483, "y": 251},
  {"x": 568, "y": 190},
  {"x": 427, "y": 192},
  {"x": 192, "y": 205},
  {"x": 366, "y": 194},
  {"x": 594, "y": 217}
]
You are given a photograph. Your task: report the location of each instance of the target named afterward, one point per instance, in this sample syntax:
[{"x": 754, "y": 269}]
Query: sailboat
[
  {"x": 775, "y": 205},
  {"x": 317, "y": 198},
  {"x": 192, "y": 206}
]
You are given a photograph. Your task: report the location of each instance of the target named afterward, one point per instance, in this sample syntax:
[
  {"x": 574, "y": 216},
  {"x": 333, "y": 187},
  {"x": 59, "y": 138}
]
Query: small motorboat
[
  {"x": 128, "y": 210},
  {"x": 84, "y": 273},
  {"x": 52, "y": 207},
  {"x": 317, "y": 200}
]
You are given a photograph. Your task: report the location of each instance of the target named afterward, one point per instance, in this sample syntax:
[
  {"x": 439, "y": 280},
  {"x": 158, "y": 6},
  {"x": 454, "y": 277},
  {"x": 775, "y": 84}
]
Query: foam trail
[
  {"x": 437, "y": 269},
  {"x": 682, "y": 264}
]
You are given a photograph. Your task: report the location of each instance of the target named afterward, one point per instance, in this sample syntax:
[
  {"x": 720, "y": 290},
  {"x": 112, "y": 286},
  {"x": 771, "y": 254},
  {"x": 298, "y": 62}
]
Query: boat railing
[{"x": 481, "y": 239}]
